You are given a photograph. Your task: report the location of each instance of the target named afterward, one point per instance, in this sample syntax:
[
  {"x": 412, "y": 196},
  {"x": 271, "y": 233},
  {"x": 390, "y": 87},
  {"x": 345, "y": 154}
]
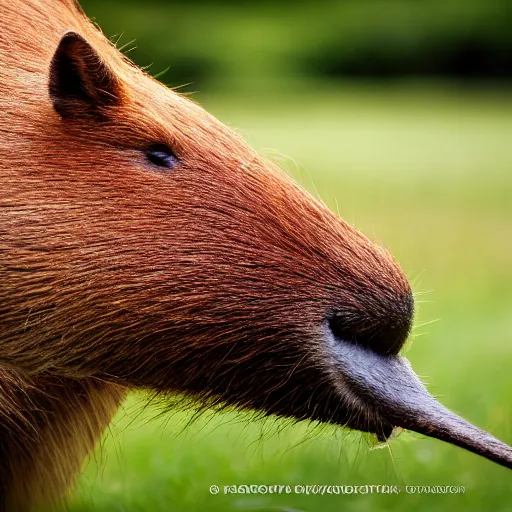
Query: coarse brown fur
[{"x": 212, "y": 279}]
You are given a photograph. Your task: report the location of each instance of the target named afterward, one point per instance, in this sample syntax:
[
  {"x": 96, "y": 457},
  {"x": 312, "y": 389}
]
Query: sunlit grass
[{"x": 429, "y": 174}]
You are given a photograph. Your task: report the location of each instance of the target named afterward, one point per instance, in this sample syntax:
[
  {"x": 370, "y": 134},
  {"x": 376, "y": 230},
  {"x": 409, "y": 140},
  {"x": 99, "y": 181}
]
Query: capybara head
[{"x": 147, "y": 244}]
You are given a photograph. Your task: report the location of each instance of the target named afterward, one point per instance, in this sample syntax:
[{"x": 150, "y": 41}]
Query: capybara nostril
[{"x": 382, "y": 325}]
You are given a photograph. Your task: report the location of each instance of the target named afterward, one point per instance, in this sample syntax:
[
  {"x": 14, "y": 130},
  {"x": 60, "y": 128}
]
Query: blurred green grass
[
  {"x": 427, "y": 172},
  {"x": 268, "y": 44}
]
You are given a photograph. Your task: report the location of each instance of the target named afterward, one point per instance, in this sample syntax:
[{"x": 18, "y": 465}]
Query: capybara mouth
[{"x": 388, "y": 388}]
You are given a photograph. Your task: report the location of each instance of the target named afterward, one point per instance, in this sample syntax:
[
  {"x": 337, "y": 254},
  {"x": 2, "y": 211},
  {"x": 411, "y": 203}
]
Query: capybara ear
[{"x": 81, "y": 83}]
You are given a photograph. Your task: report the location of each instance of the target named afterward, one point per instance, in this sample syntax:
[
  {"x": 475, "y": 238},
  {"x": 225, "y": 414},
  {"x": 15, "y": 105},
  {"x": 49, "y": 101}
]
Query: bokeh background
[{"x": 398, "y": 114}]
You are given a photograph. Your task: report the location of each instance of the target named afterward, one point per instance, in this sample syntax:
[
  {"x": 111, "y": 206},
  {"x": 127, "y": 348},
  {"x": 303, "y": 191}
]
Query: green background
[{"x": 398, "y": 114}]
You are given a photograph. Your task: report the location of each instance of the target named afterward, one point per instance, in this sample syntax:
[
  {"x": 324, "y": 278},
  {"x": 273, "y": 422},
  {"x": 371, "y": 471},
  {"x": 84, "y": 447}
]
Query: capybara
[{"x": 144, "y": 245}]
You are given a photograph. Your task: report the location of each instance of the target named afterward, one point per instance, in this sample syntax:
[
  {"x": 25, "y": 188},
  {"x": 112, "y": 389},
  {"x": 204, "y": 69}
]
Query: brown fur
[
  {"x": 211, "y": 279},
  {"x": 49, "y": 426}
]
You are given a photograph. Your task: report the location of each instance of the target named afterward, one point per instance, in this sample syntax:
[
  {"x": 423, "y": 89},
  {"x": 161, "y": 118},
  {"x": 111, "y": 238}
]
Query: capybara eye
[{"x": 162, "y": 156}]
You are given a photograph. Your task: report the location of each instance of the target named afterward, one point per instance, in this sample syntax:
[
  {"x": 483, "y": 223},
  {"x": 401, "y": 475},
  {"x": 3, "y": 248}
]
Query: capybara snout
[{"x": 382, "y": 324}]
